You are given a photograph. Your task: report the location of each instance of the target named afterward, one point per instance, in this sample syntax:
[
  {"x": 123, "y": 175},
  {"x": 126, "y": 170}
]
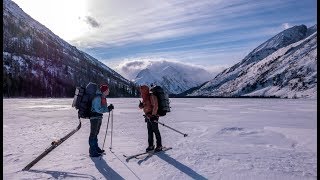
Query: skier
[
  {"x": 99, "y": 106},
  {"x": 149, "y": 105}
]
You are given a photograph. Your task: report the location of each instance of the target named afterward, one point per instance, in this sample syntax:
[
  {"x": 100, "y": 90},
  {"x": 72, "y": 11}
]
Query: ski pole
[
  {"x": 106, "y": 132},
  {"x": 184, "y": 135},
  {"x": 111, "y": 129}
]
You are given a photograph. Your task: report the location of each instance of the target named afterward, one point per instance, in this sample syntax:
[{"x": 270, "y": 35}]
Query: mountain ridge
[
  {"x": 38, "y": 63},
  {"x": 233, "y": 81}
]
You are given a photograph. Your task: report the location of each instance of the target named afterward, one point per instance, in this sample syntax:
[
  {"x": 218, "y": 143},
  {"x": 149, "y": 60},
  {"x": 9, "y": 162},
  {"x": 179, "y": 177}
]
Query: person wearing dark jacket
[
  {"x": 99, "y": 106},
  {"x": 149, "y": 105}
]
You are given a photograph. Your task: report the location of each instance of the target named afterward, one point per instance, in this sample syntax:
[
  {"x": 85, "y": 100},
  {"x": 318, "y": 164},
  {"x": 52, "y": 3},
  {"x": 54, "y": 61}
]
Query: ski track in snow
[{"x": 227, "y": 139}]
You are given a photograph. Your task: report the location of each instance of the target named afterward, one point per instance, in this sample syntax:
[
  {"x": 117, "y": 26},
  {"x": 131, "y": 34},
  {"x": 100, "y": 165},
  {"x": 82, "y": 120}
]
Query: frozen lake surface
[{"x": 228, "y": 139}]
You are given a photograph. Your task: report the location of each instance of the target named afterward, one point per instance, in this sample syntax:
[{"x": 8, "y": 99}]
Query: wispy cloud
[
  {"x": 206, "y": 32},
  {"x": 212, "y": 32},
  {"x": 126, "y": 22},
  {"x": 91, "y": 21}
]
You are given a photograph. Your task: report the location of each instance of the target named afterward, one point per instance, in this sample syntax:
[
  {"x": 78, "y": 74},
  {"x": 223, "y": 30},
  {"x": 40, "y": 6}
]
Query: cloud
[
  {"x": 207, "y": 32},
  {"x": 155, "y": 20},
  {"x": 129, "y": 68},
  {"x": 91, "y": 21},
  {"x": 286, "y": 25}
]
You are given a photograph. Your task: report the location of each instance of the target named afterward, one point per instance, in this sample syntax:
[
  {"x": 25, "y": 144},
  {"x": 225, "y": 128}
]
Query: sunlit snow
[{"x": 227, "y": 139}]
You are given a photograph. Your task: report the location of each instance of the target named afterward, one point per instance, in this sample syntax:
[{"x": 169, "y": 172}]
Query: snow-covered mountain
[
  {"x": 36, "y": 62},
  {"x": 172, "y": 76},
  {"x": 283, "y": 66}
]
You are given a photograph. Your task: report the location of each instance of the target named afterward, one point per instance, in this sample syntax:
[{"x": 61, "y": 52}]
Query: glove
[
  {"x": 110, "y": 107},
  {"x": 140, "y": 105},
  {"x": 154, "y": 118}
]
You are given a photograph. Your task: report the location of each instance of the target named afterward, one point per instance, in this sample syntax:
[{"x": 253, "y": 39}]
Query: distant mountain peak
[{"x": 173, "y": 77}]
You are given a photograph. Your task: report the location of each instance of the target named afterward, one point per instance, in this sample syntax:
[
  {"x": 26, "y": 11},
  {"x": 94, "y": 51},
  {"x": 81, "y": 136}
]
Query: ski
[
  {"x": 54, "y": 144},
  {"x": 149, "y": 152},
  {"x": 134, "y": 156}
]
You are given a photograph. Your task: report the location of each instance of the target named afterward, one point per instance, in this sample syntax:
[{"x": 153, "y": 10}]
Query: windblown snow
[{"x": 227, "y": 139}]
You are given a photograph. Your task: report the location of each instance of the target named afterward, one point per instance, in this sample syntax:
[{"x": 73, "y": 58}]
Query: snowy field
[{"x": 228, "y": 139}]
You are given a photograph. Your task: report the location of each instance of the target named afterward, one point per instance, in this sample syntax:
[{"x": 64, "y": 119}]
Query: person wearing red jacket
[{"x": 149, "y": 105}]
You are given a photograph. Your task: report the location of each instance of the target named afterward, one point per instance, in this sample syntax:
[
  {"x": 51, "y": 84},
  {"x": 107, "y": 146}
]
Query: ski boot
[
  {"x": 150, "y": 148},
  {"x": 158, "y": 149}
]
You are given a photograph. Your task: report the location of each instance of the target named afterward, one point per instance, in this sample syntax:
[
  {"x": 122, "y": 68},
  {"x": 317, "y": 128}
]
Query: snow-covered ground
[{"x": 228, "y": 139}]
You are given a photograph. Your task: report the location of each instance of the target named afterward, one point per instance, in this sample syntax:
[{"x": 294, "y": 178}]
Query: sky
[{"x": 209, "y": 33}]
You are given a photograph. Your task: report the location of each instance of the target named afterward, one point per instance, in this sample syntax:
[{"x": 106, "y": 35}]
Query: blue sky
[{"x": 203, "y": 32}]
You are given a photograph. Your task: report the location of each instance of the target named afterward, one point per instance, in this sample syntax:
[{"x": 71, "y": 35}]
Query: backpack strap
[
  {"x": 154, "y": 103},
  {"x": 103, "y": 100}
]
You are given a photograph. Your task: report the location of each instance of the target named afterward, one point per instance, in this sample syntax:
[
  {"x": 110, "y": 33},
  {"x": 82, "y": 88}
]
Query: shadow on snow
[
  {"x": 183, "y": 168},
  {"x": 61, "y": 174},
  {"x": 105, "y": 170}
]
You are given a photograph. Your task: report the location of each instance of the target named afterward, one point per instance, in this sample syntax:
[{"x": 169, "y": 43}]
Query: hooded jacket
[
  {"x": 149, "y": 101},
  {"x": 99, "y": 104}
]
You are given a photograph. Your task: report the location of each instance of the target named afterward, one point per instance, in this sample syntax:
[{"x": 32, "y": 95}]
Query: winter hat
[{"x": 104, "y": 87}]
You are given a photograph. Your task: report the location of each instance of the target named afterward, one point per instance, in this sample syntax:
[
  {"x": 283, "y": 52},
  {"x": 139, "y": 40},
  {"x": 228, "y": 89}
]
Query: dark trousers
[
  {"x": 153, "y": 128},
  {"x": 95, "y": 124}
]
